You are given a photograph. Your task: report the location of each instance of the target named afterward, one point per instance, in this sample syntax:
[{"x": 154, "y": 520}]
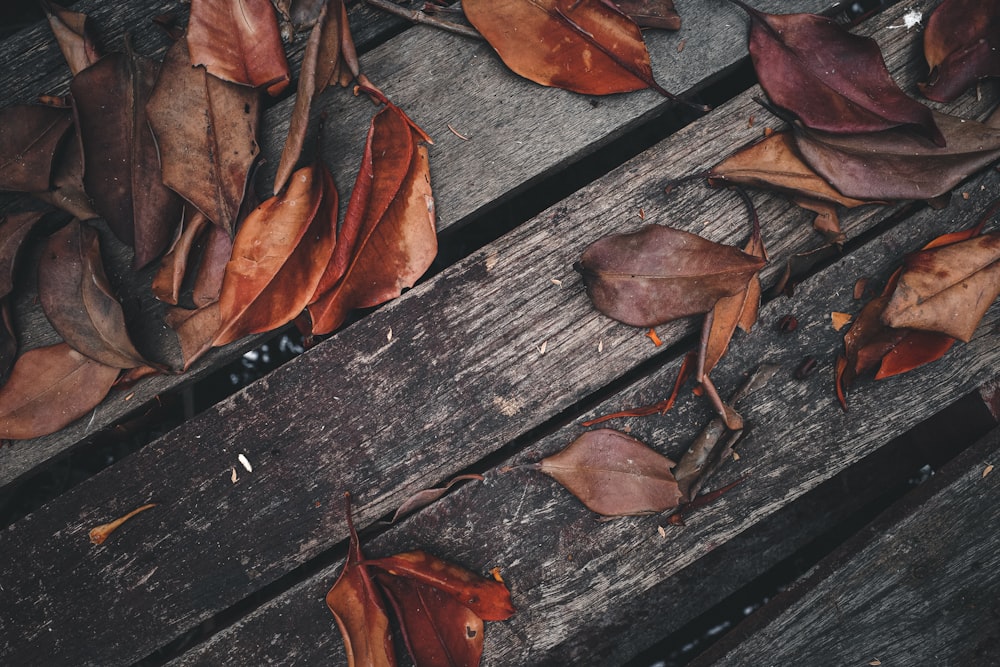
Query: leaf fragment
[
  {"x": 651, "y": 13},
  {"x": 30, "y": 136},
  {"x": 75, "y": 35},
  {"x": 49, "y": 388},
  {"x": 614, "y": 474},
  {"x": 425, "y": 497}
]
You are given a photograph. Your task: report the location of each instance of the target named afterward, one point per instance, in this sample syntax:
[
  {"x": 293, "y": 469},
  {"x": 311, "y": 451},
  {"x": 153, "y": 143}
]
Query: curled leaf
[
  {"x": 388, "y": 239},
  {"x": 659, "y": 274},
  {"x": 238, "y": 41},
  {"x": 425, "y": 497},
  {"x": 50, "y": 387},
  {"x": 651, "y": 13},
  {"x": 830, "y": 79},
  {"x": 79, "y": 301},
  {"x": 30, "y": 135},
  {"x": 614, "y": 474},
  {"x": 75, "y": 34},
  {"x": 947, "y": 289},
  {"x": 488, "y": 598},
  {"x": 961, "y": 43}
]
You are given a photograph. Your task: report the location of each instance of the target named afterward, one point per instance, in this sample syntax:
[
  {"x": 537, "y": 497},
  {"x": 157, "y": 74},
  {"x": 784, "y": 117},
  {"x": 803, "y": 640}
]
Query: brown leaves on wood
[
  {"x": 829, "y": 78},
  {"x": 588, "y": 47},
  {"x": 206, "y": 130},
  {"x": 440, "y": 607},
  {"x": 388, "y": 239},
  {"x": 50, "y": 387},
  {"x": 947, "y": 289},
  {"x": 79, "y": 301},
  {"x": 961, "y": 43},
  {"x": 121, "y": 162},
  {"x": 897, "y": 163},
  {"x": 238, "y": 41},
  {"x": 659, "y": 274},
  {"x": 614, "y": 474},
  {"x": 279, "y": 256},
  {"x": 30, "y": 136},
  {"x": 359, "y": 610}
]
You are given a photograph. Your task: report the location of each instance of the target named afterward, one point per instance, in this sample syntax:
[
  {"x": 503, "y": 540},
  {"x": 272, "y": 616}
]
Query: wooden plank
[
  {"x": 386, "y": 417},
  {"x": 920, "y": 584},
  {"x": 519, "y": 133},
  {"x": 570, "y": 574}
]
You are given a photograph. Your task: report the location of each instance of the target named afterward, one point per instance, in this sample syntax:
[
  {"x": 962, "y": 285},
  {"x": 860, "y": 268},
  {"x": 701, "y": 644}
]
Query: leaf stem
[{"x": 421, "y": 17}]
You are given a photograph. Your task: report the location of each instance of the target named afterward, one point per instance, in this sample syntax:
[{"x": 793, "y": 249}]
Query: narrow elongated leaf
[
  {"x": 425, "y": 497},
  {"x": 651, "y": 13},
  {"x": 587, "y": 46},
  {"x": 489, "y": 599},
  {"x": 830, "y": 79},
  {"x": 169, "y": 278},
  {"x": 438, "y": 630},
  {"x": 238, "y": 41},
  {"x": 279, "y": 256},
  {"x": 121, "y": 164},
  {"x": 774, "y": 164},
  {"x": 659, "y": 274},
  {"x": 947, "y": 289},
  {"x": 75, "y": 34},
  {"x": 614, "y": 474},
  {"x": 30, "y": 135},
  {"x": 359, "y": 611},
  {"x": 897, "y": 164},
  {"x": 388, "y": 239},
  {"x": 961, "y": 45},
  {"x": 206, "y": 130},
  {"x": 212, "y": 267},
  {"x": 50, "y": 387},
  {"x": 78, "y": 300}
]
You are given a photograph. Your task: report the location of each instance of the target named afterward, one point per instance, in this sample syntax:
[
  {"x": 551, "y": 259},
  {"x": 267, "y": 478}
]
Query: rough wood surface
[
  {"x": 519, "y": 133},
  {"x": 913, "y": 590},
  {"x": 463, "y": 375}
]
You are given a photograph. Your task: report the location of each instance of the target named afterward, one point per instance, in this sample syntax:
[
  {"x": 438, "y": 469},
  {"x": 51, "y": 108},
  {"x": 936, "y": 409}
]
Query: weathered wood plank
[
  {"x": 569, "y": 573},
  {"x": 519, "y": 133},
  {"x": 386, "y": 417},
  {"x": 919, "y": 585}
]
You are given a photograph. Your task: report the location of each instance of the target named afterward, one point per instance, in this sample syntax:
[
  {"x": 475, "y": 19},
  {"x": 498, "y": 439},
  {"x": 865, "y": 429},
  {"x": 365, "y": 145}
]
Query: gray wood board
[
  {"x": 382, "y": 417},
  {"x": 518, "y": 134},
  {"x": 572, "y": 576},
  {"x": 919, "y": 587}
]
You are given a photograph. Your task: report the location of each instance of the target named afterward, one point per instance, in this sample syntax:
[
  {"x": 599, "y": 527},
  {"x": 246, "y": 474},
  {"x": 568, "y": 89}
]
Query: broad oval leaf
[
  {"x": 50, "y": 387},
  {"x": 586, "y": 46},
  {"x": 206, "y": 131},
  {"x": 898, "y": 164},
  {"x": 489, "y": 599},
  {"x": 659, "y": 274},
  {"x": 947, "y": 289},
  {"x": 388, "y": 239},
  {"x": 831, "y": 79},
  {"x": 238, "y": 41},
  {"x": 961, "y": 45},
  {"x": 279, "y": 256},
  {"x": 30, "y": 135},
  {"x": 437, "y": 629},
  {"x": 121, "y": 162},
  {"x": 78, "y": 300},
  {"x": 614, "y": 474}
]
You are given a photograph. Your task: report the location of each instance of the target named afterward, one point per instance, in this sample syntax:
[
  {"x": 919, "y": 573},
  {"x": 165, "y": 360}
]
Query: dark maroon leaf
[
  {"x": 30, "y": 135},
  {"x": 14, "y": 228},
  {"x": 962, "y": 46}
]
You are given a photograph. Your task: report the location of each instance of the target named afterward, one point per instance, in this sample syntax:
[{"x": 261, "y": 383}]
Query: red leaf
[
  {"x": 489, "y": 599},
  {"x": 238, "y": 41},
  {"x": 829, "y": 78}
]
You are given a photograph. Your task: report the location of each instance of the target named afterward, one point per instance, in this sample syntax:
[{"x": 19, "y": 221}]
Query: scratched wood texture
[
  {"x": 919, "y": 585},
  {"x": 519, "y": 134},
  {"x": 470, "y": 385}
]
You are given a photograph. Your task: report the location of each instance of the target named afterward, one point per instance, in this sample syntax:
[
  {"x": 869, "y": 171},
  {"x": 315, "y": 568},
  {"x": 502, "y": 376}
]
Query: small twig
[{"x": 420, "y": 17}]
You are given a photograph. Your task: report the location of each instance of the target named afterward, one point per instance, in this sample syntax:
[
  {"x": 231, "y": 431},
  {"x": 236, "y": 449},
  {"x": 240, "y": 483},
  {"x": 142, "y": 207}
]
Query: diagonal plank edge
[
  {"x": 569, "y": 573},
  {"x": 360, "y": 412},
  {"x": 519, "y": 133}
]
